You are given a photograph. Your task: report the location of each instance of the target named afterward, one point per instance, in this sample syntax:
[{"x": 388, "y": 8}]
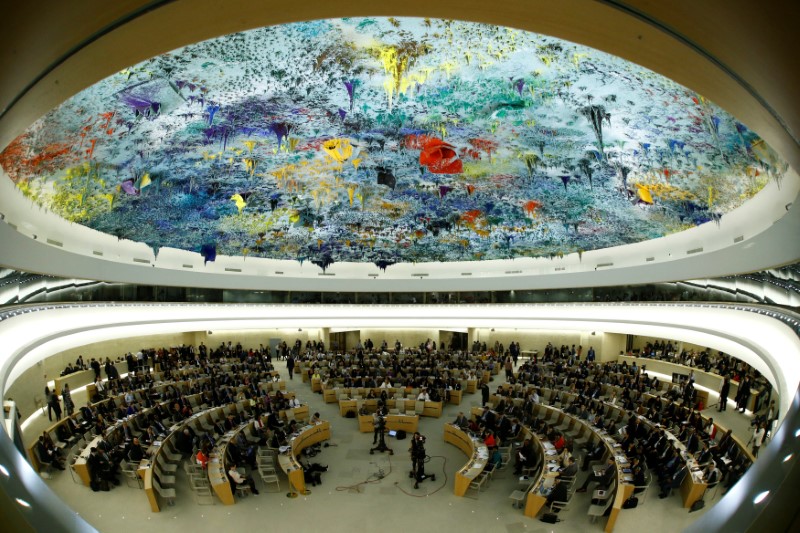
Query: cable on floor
[{"x": 372, "y": 478}]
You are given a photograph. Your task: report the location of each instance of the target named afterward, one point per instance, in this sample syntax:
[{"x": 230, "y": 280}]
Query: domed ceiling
[{"x": 383, "y": 140}]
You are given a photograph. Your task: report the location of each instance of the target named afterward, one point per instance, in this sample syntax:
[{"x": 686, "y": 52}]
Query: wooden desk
[
  {"x": 455, "y": 397},
  {"x": 535, "y": 500},
  {"x": 472, "y": 385},
  {"x": 288, "y": 461},
  {"x": 146, "y": 472},
  {"x": 74, "y": 380},
  {"x": 348, "y": 405},
  {"x": 301, "y": 413},
  {"x": 692, "y": 488},
  {"x": 624, "y": 491},
  {"x": 217, "y": 471},
  {"x": 219, "y": 479},
  {"x": 433, "y": 409},
  {"x": 475, "y": 450},
  {"x": 329, "y": 395},
  {"x": 316, "y": 384},
  {"x": 408, "y": 423},
  {"x": 80, "y": 467}
]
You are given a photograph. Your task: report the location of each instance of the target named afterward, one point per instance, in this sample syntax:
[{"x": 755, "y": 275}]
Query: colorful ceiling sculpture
[{"x": 388, "y": 140}]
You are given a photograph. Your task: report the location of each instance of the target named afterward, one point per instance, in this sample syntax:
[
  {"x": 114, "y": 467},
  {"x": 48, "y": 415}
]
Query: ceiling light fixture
[{"x": 23, "y": 503}]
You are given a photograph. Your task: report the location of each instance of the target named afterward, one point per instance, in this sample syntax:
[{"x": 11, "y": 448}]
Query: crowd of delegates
[
  {"x": 730, "y": 368},
  {"x": 147, "y": 407},
  {"x": 723, "y": 461},
  {"x": 417, "y": 368}
]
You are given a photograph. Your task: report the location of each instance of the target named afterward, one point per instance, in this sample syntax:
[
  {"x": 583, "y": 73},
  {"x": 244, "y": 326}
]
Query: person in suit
[
  {"x": 603, "y": 477},
  {"x": 484, "y": 393},
  {"x": 525, "y": 457},
  {"x": 571, "y": 470},
  {"x": 703, "y": 456},
  {"x": 487, "y": 419},
  {"x": 461, "y": 420},
  {"x": 136, "y": 453},
  {"x": 560, "y": 493},
  {"x": 743, "y": 395},
  {"x": 673, "y": 481},
  {"x": 692, "y": 441},
  {"x": 46, "y": 454},
  {"x": 593, "y": 455},
  {"x": 127, "y": 432}
]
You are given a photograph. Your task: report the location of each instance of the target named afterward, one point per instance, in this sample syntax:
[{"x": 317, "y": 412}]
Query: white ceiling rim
[{"x": 597, "y": 24}]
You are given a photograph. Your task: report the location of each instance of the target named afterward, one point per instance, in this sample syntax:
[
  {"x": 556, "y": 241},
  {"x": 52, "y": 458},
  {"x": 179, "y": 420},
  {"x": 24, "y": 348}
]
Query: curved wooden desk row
[
  {"x": 692, "y": 488},
  {"x": 306, "y": 437},
  {"x": 80, "y": 466},
  {"x": 217, "y": 471},
  {"x": 535, "y": 499},
  {"x": 432, "y": 409},
  {"x": 52, "y": 430},
  {"x": 624, "y": 487},
  {"x": 210, "y": 415},
  {"x": 720, "y": 432},
  {"x": 408, "y": 423},
  {"x": 474, "y": 449},
  {"x": 706, "y": 379}
]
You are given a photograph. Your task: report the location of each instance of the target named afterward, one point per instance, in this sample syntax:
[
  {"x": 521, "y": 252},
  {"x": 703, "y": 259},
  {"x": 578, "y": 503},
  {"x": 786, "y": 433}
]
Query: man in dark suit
[
  {"x": 571, "y": 470},
  {"x": 674, "y": 481},
  {"x": 135, "y": 451},
  {"x": 45, "y": 455},
  {"x": 559, "y": 493},
  {"x": 461, "y": 420},
  {"x": 503, "y": 428},
  {"x": 603, "y": 477},
  {"x": 593, "y": 455},
  {"x": 525, "y": 457},
  {"x": 488, "y": 419},
  {"x": 692, "y": 441}
]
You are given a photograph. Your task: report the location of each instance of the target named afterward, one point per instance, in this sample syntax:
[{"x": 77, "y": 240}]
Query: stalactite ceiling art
[{"x": 388, "y": 140}]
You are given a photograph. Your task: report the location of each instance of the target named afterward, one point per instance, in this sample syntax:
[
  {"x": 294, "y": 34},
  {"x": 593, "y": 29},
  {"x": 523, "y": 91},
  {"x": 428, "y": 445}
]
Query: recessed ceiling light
[
  {"x": 23, "y": 503},
  {"x": 761, "y": 496},
  {"x": 4, "y": 471},
  {"x": 788, "y": 457}
]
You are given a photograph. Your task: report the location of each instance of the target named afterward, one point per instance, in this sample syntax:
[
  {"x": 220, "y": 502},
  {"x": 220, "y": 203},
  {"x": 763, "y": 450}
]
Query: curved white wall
[
  {"x": 30, "y": 336},
  {"x": 764, "y": 343}
]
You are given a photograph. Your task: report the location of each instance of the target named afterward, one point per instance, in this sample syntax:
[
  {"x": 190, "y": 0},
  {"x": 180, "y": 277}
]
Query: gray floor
[{"x": 344, "y": 503}]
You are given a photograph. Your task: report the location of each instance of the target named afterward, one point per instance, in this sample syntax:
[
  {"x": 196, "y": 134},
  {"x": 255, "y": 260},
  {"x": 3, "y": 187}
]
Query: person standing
[
  {"x": 758, "y": 438},
  {"x": 290, "y": 365},
  {"x": 744, "y": 394},
  {"x": 69, "y": 406},
  {"x": 54, "y": 403},
  {"x": 723, "y": 393},
  {"x": 49, "y": 400},
  {"x": 484, "y": 393},
  {"x": 96, "y": 367}
]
